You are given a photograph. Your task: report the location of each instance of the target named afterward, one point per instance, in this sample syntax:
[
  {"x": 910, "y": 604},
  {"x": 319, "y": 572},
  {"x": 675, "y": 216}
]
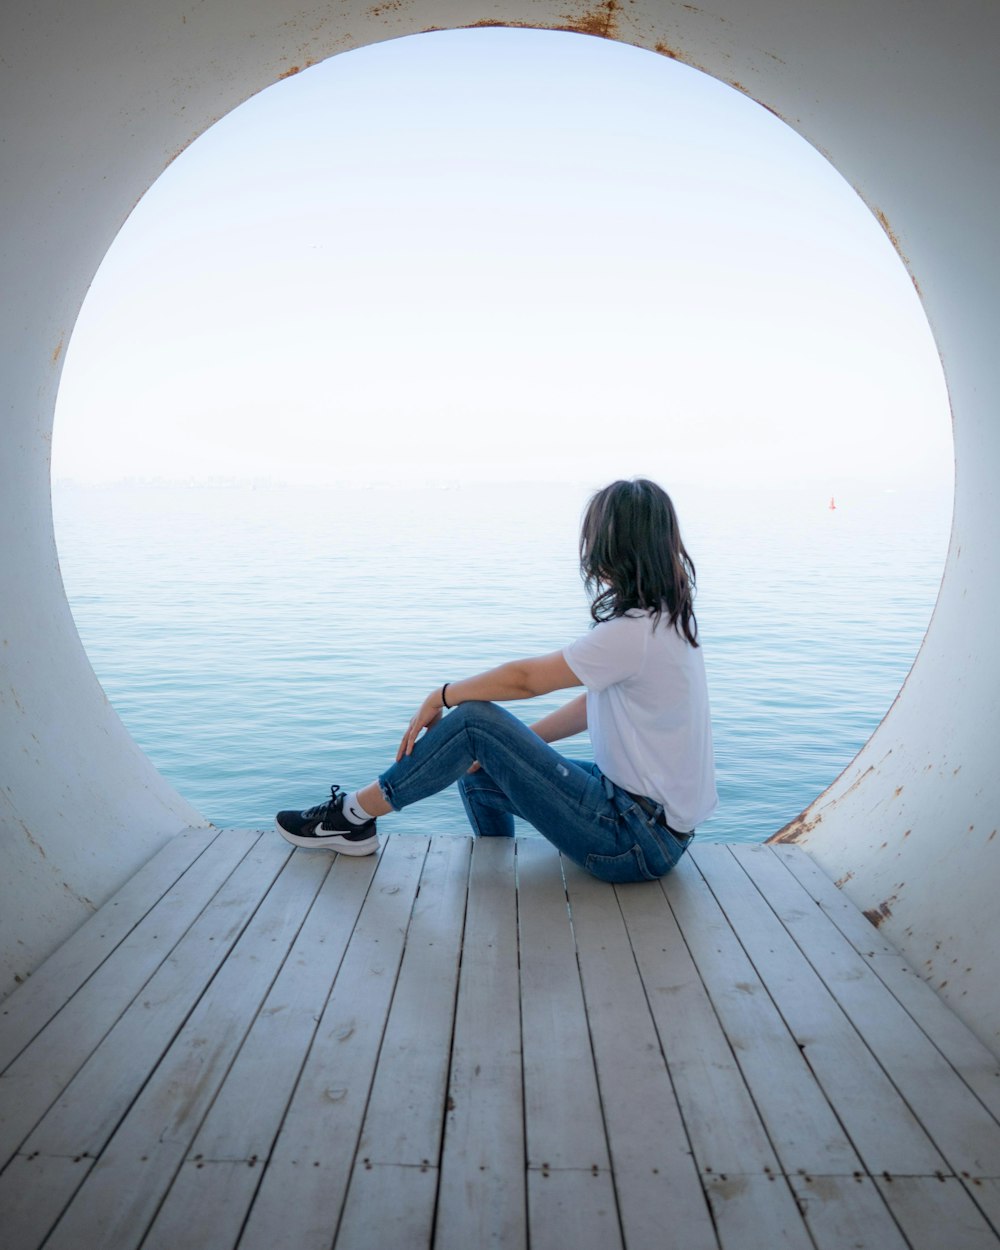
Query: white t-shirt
[{"x": 647, "y": 713}]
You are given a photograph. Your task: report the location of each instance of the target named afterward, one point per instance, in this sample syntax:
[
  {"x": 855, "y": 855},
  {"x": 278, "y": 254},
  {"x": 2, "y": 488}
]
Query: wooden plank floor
[{"x": 461, "y": 1045}]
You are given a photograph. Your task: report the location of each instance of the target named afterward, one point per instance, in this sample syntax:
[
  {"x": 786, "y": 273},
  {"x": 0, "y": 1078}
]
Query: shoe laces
[{"x": 322, "y": 809}]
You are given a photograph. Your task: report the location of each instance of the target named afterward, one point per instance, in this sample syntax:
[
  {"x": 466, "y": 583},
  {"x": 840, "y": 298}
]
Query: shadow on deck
[{"x": 464, "y": 1045}]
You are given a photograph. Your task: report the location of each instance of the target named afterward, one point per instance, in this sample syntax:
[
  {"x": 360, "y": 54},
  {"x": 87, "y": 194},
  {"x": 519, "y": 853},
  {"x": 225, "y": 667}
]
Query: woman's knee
[
  {"x": 479, "y": 711},
  {"x": 476, "y": 714}
]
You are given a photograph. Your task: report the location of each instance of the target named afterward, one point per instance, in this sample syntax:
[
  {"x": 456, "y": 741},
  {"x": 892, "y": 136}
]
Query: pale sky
[{"x": 499, "y": 254}]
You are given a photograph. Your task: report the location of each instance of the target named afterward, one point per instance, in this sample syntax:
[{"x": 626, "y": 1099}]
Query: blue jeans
[{"x": 589, "y": 818}]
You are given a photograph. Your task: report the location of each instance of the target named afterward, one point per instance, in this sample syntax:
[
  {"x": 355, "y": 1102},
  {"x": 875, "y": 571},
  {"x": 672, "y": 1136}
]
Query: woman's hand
[{"x": 427, "y": 716}]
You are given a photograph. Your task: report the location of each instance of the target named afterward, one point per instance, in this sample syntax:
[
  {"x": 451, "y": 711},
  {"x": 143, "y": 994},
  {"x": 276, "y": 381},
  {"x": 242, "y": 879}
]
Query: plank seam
[
  {"x": 520, "y": 1031},
  {"x": 378, "y": 1049},
  {"x": 594, "y": 1171},
  {"x": 971, "y": 1184},
  {"x": 451, "y": 1041}
]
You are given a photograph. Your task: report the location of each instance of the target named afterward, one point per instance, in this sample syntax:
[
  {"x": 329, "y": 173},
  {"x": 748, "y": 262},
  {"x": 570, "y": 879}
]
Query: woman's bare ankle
[{"x": 373, "y": 801}]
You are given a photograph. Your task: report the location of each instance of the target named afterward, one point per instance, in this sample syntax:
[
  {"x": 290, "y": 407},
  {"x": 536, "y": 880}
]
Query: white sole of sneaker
[
  {"x": 368, "y": 847},
  {"x": 335, "y": 842}
]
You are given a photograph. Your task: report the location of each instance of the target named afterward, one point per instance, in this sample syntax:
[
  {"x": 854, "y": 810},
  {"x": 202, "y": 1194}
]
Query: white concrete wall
[{"x": 902, "y": 95}]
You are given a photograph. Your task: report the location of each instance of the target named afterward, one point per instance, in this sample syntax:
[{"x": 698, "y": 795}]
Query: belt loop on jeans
[
  {"x": 655, "y": 810},
  {"x": 648, "y": 806}
]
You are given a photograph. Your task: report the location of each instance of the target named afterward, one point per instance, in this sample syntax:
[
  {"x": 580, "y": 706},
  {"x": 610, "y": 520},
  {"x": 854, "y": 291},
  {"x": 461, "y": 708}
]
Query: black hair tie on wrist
[{"x": 444, "y": 701}]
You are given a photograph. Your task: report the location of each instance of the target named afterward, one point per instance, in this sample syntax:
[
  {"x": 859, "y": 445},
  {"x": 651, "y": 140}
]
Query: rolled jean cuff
[{"x": 386, "y": 788}]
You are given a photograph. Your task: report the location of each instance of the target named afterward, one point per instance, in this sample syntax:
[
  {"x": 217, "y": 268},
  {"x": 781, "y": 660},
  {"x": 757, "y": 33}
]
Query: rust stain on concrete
[
  {"x": 877, "y": 914},
  {"x": 601, "y": 20},
  {"x": 858, "y": 780},
  {"x": 33, "y": 840},
  {"x": 883, "y": 221},
  {"x": 805, "y": 823},
  {"x": 491, "y": 23},
  {"x": 795, "y": 829}
]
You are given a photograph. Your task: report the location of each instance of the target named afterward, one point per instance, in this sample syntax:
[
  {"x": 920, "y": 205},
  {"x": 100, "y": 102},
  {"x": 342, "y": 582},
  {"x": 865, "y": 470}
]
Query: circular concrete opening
[{"x": 385, "y": 269}]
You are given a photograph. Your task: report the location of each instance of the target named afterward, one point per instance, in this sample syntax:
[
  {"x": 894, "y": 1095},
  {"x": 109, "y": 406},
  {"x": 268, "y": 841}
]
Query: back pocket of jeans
[{"x": 620, "y": 869}]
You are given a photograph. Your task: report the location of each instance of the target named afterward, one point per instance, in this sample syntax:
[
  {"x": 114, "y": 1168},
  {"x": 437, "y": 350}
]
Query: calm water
[{"x": 261, "y": 644}]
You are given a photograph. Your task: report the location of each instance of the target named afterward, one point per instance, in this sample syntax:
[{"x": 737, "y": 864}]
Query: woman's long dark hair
[{"x": 632, "y": 556}]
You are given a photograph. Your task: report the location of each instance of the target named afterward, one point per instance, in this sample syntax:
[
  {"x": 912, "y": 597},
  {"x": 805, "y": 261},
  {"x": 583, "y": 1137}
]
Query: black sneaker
[{"x": 325, "y": 825}]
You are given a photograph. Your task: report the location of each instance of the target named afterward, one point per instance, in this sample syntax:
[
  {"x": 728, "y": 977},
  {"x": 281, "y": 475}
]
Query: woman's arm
[
  {"x": 517, "y": 679},
  {"x": 567, "y": 721}
]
